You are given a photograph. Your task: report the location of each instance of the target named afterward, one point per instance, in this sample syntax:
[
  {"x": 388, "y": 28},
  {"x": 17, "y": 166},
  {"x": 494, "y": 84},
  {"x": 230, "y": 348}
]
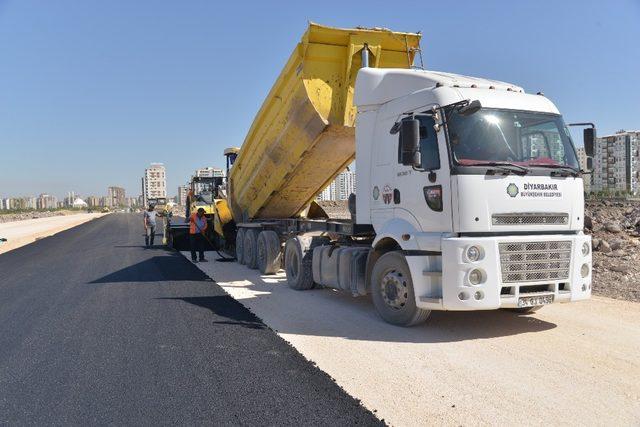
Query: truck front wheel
[{"x": 392, "y": 291}]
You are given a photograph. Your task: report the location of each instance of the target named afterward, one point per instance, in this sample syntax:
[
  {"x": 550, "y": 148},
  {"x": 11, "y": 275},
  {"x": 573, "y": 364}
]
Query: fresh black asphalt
[{"x": 96, "y": 329}]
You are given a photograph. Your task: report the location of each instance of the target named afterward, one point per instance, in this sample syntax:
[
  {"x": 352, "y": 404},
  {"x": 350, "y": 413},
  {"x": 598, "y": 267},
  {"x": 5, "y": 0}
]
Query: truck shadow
[
  {"x": 326, "y": 312},
  {"x": 169, "y": 267},
  {"x": 225, "y": 309}
]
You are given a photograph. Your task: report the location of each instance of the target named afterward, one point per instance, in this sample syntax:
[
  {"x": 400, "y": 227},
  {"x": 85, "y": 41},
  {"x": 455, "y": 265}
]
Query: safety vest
[{"x": 197, "y": 225}]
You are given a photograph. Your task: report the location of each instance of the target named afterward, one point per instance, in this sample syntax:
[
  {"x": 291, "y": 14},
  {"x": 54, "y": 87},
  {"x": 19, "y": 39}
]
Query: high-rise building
[
  {"x": 183, "y": 190},
  {"x": 328, "y": 193},
  {"x": 71, "y": 197},
  {"x": 340, "y": 188},
  {"x": 6, "y": 204},
  {"x": 209, "y": 171},
  {"x": 582, "y": 159},
  {"x": 116, "y": 197},
  {"x": 92, "y": 201},
  {"x": 154, "y": 182},
  {"x": 345, "y": 184},
  {"x": 616, "y": 162},
  {"x": 46, "y": 201}
]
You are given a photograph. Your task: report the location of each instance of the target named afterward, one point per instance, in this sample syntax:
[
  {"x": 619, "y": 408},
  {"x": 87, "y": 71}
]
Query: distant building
[
  {"x": 132, "y": 202},
  {"x": 328, "y": 193},
  {"x": 345, "y": 185},
  {"x": 582, "y": 159},
  {"x": 116, "y": 197},
  {"x": 154, "y": 182},
  {"x": 46, "y": 201},
  {"x": 616, "y": 162},
  {"x": 6, "y": 204},
  {"x": 183, "y": 190},
  {"x": 93, "y": 201},
  {"x": 209, "y": 171},
  {"x": 340, "y": 188},
  {"x": 71, "y": 197}
]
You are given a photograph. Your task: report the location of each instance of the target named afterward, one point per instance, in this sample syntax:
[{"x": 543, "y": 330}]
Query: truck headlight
[
  {"x": 476, "y": 276},
  {"x": 584, "y": 270},
  {"x": 474, "y": 253},
  {"x": 586, "y": 247}
]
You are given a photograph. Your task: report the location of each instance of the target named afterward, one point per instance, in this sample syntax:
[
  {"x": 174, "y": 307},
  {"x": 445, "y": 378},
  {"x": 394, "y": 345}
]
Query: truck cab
[{"x": 476, "y": 184}]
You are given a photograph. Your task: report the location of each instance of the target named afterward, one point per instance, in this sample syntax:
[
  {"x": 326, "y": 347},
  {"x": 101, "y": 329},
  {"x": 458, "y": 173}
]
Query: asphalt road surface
[{"x": 96, "y": 329}]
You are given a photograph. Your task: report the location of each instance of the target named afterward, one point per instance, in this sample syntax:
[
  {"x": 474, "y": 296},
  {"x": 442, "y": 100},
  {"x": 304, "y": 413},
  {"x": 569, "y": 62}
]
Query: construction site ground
[{"x": 566, "y": 364}]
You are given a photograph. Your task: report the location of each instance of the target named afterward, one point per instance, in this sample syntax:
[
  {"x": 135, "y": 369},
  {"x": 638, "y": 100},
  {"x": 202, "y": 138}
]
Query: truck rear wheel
[
  {"x": 392, "y": 291},
  {"x": 240, "y": 245},
  {"x": 250, "y": 248},
  {"x": 268, "y": 252},
  {"x": 298, "y": 258}
]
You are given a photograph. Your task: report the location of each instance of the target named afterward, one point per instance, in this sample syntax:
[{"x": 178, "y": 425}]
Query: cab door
[
  {"x": 383, "y": 174},
  {"x": 422, "y": 194}
]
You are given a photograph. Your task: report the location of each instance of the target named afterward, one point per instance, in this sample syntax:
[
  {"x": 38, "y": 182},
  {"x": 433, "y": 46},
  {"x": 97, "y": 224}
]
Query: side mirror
[
  {"x": 410, "y": 143},
  {"x": 589, "y": 137},
  {"x": 471, "y": 108}
]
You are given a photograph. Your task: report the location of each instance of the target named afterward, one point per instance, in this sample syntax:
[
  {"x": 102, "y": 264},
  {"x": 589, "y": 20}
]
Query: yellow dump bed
[{"x": 303, "y": 135}]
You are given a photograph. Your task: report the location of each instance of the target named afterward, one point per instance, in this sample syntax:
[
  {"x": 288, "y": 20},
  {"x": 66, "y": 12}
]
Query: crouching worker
[{"x": 197, "y": 227}]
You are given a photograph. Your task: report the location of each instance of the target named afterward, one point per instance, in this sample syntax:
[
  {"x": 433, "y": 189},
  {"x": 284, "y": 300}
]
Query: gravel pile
[
  {"x": 615, "y": 230},
  {"x": 336, "y": 209}
]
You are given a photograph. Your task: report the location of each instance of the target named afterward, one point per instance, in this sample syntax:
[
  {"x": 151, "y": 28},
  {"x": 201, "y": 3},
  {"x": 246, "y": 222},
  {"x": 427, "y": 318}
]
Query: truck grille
[
  {"x": 530, "y": 218},
  {"x": 535, "y": 261}
]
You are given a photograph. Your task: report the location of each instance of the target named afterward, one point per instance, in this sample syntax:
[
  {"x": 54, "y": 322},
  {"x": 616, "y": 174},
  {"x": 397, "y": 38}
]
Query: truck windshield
[{"x": 523, "y": 138}]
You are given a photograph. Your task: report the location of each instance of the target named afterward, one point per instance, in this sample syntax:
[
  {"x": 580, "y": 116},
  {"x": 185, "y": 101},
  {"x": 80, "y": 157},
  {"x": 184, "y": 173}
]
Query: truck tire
[
  {"x": 392, "y": 291},
  {"x": 240, "y": 245},
  {"x": 268, "y": 252},
  {"x": 251, "y": 248},
  {"x": 298, "y": 257}
]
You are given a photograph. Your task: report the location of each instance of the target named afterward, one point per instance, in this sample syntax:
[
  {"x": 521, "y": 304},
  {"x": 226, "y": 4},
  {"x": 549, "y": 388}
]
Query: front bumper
[{"x": 442, "y": 283}]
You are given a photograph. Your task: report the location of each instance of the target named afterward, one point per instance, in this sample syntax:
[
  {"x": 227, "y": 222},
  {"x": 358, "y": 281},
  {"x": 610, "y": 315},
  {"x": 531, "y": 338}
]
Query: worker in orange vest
[{"x": 197, "y": 226}]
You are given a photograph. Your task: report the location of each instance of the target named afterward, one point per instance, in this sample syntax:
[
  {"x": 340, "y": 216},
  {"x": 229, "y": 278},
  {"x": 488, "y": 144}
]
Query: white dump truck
[{"x": 469, "y": 192}]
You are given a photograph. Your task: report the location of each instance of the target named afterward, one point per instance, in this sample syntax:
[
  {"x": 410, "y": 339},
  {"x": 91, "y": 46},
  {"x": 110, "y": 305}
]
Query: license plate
[{"x": 534, "y": 301}]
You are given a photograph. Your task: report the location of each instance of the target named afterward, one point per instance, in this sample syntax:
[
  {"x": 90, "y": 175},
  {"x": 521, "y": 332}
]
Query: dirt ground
[{"x": 567, "y": 364}]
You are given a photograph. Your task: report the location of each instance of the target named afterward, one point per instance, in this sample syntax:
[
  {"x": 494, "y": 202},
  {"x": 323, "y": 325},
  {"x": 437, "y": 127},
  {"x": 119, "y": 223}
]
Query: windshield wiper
[
  {"x": 560, "y": 168},
  {"x": 504, "y": 166}
]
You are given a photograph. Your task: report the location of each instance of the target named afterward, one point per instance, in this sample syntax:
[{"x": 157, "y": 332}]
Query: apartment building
[
  {"x": 615, "y": 162},
  {"x": 116, "y": 197},
  {"x": 328, "y": 193},
  {"x": 154, "y": 182},
  {"x": 582, "y": 160},
  {"x": 92, "y": 201},
  {"x": 46, "y": 201},
  {"x": 340, "y": 188},
  {"x": 183, "y": 190}
]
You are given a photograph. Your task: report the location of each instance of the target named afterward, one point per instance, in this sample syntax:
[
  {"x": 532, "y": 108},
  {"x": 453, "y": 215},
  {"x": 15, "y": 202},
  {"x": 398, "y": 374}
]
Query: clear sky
[{"x": 93, "y": 91}]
